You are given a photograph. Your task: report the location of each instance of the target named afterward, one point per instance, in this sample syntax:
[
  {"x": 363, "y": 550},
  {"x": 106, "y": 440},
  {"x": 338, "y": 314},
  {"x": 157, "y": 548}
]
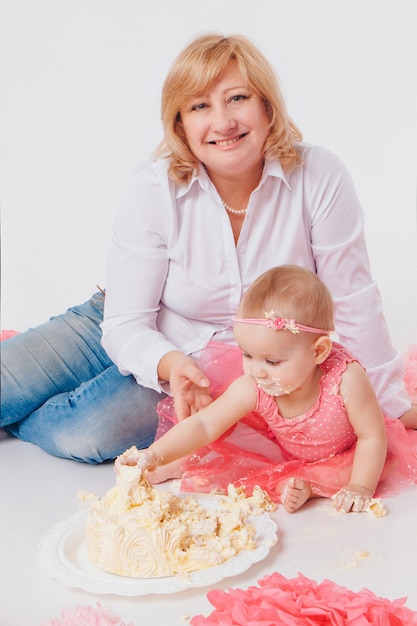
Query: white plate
[{"x": 63, "y": 555}]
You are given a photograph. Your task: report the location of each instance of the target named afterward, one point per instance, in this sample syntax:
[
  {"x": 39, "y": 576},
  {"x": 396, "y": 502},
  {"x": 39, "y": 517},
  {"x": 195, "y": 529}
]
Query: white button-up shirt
[{"x": 175, "y": 276}]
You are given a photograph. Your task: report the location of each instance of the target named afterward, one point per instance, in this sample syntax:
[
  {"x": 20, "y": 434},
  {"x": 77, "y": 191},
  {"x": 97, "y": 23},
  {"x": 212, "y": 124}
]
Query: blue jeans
[{"x": 60, "y": 390}]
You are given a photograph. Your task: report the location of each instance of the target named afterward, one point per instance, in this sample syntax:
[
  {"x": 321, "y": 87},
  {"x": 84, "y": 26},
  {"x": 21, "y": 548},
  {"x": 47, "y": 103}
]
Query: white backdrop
[{"x": 80, "y": 89}]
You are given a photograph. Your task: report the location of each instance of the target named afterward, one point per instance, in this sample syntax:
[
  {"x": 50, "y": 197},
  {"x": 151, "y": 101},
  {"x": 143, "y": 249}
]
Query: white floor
[{"x": 39, "y": 491}]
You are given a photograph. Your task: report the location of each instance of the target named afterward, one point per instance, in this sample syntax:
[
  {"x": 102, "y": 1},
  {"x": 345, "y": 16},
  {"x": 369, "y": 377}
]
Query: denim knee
[
  {"x": 50, "y": 359},
  {"x": 96, "y": 422}
]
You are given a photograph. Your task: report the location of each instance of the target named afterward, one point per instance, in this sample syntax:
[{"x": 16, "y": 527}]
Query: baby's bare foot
[
  {"x": 296, "y": 492},
  {"x": 165, "y": 472}
]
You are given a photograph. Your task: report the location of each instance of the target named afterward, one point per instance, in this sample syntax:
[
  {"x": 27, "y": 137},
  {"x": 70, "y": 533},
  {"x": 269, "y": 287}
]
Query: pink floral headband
[{"x": 280, "y": 323}]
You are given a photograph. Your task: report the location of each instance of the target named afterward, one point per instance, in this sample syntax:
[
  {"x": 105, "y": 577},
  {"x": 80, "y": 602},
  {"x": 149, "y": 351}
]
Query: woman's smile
[{"x": 226, "y": 143}]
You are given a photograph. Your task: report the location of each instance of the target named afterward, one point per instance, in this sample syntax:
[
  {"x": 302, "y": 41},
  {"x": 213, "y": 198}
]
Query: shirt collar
[{"x": 272, "y": 168}]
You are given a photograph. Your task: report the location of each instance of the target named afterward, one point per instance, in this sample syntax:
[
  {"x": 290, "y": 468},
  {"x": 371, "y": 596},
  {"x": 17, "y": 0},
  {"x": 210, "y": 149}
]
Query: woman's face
[{"x": 226, "y": 127}]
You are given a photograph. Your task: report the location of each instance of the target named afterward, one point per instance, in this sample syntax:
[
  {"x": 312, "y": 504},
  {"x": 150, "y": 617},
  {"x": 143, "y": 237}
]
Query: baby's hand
[
  {"x": 142, "y": 459},
  {"x": 354, "y": 498}
]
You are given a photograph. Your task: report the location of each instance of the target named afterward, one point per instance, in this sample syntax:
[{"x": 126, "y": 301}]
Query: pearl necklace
[{"x": 234, "y": 211}]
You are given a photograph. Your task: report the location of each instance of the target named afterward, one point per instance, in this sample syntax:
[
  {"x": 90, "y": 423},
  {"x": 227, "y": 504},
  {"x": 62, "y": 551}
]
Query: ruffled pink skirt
[{"x": 248, "y": 455}]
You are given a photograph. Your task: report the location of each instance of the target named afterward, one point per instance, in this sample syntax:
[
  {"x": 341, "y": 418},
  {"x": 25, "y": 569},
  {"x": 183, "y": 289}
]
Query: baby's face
[{"x": 279, "y": 361}]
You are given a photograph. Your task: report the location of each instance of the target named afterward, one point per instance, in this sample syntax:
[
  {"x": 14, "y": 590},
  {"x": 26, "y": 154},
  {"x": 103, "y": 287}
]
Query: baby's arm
[
  {"x": 202, "y": 427},
  {"x": 367, "y": 420}
]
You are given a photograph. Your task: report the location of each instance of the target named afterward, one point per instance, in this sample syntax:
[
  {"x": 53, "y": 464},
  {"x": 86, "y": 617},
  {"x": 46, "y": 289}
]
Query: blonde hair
[
  {"x": 194, "y": 71},
  {"x": 290, "y": 292}
]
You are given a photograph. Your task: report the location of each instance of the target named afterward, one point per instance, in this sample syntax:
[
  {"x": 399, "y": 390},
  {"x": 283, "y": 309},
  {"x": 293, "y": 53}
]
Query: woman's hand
[
  {"x": 190, "y": 389},
  {"x": 353, "y": 498},
  {"x": 189, "y": 386}
]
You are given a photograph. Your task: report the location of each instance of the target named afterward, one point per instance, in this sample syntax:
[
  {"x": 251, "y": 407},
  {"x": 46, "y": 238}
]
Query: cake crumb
[
  {"x": 86, "y": 496},
  {"x": 363, "y": 555},
  {"x": 376, "y": 508}
]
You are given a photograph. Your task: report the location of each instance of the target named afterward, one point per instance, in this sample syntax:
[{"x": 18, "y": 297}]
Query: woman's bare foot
[
  {"x": 296, "y": 492},
  {"x": 165, "y": 472}
]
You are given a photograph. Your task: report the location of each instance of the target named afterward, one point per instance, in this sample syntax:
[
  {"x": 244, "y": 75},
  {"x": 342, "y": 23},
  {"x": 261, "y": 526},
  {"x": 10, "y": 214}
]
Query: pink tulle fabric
[
  {"x": 6, "y": 334},
  {"x": 279, "y": 601},
  {"x": 86, "y": 616},
  {"x": 410, "y": 375},
  {"x": 249, "y": 455}
]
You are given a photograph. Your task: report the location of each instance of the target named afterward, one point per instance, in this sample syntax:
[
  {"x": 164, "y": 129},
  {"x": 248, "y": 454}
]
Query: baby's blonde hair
[
  {"x": 291, "y": 292},
  {"x": 192, "y": 74}
]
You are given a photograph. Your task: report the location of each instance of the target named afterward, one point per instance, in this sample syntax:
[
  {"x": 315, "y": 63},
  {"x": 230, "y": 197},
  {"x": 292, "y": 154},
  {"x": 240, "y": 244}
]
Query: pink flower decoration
[
  {"x": 86, "y": 616},
  {"x": 280, "y": 323},
  {"x": 279, "y": 601}
]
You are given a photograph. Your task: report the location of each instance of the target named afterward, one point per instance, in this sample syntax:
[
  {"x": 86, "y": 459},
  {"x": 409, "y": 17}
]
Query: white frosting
[{"x": 138, "y": 531}]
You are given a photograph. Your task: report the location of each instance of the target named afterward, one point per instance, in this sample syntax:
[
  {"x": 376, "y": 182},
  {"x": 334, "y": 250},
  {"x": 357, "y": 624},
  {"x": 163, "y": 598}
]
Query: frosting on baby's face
[{"x": 274, "y": 387}]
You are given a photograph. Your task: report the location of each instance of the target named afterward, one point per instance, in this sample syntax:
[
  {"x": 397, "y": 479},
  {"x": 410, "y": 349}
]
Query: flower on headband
[{"x": 280, "y": 323}]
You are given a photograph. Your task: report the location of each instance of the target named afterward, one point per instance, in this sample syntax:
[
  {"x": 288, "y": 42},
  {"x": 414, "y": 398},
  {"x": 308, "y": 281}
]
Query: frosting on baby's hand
[
  {"x": 136, "y": 459},
  {"x": 352, "y": 499}
]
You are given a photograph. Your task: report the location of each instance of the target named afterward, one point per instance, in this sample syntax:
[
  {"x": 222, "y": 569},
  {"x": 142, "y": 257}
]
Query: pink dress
[
  {"x": 266, "y": 449},
  {"x": 324, "y": 430}
]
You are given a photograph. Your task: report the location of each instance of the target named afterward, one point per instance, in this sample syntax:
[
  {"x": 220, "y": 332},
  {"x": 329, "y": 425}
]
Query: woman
[{"x": 232, "y": 193}]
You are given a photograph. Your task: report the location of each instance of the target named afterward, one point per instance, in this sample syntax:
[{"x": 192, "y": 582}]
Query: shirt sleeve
[
  {"x": 341, "y": 258},
  {"x": 136, "y": 271}
]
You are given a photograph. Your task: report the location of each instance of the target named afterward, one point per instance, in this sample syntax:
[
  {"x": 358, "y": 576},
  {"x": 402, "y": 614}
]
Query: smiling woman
[
  {"x": 193, "y": 75},
  {"x": 233, "y": 192},
  {"x": 227, "y": 131}
]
